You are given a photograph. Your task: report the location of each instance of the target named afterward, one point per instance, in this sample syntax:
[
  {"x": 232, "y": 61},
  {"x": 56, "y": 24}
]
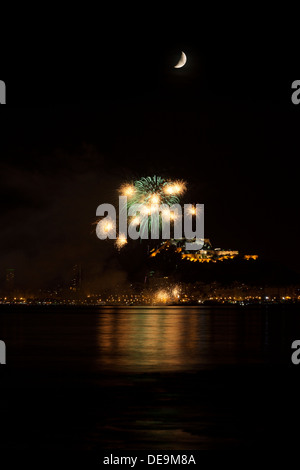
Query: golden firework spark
[
  {"x": 105, "y": 227},
  {"x": 179, "y": 187},
  {"x": 173, "y": 216},
  {"x": 146, "y": 210},
  {"x": 169, "y": 215},
  {"x": 193, "y": 210},
  {"x": 175, "y": 188},
  {"x": 127, "y": 190},
  {"x": 165, "y": 214},
  {"x": 155, "y": 199},
  {"x": 169, "y": 189},
  {"x": 135, "y": 220},
  {"x": 175, "y": 292},
  {"x": 162, "y": 296},
  {"x": 121, "y": 241}
]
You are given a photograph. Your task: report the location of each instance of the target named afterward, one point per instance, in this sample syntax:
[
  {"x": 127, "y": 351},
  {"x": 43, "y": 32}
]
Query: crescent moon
[{"x": 182, "y": 61}]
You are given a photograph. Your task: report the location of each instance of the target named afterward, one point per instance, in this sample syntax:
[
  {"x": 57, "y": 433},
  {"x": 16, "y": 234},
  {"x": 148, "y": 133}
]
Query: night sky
[{"x": 84, "y": 115}]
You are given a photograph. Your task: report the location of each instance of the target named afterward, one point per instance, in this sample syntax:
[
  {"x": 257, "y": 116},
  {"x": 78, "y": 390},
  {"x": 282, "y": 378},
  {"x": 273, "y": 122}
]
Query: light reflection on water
[
  {"x": 149, "y": 378},
  {"x": 147, "y": 339},
  {"x": 176, "y": 338}
]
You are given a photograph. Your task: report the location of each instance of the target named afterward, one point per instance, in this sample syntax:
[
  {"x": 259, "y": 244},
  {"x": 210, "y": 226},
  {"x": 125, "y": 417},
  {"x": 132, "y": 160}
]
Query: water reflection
[
  {"x": 103, "y": 375},
  {"x": 147, "y": 339},
  {"x": 177, "y": 339}
]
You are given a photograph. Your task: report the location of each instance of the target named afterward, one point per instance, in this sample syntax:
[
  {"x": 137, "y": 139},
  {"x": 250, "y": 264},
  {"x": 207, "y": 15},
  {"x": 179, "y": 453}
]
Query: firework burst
[
  {"x": 121, "y": 241},
  {"x": 176, "y": 188},
  {"x": 147, "y": 193},
  {"x": 156, "y": 190},
  {"x": 162, "y": 296},
  {"x": 152, "y": 190},
  {"x": 193, "y": 210},
  {"x": 168, "y": 295},
  {"x": 127, "y": 190},
  {"x": 105, "y": 228}
]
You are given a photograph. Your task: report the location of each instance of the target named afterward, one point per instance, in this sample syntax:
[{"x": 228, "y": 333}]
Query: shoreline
[{"x": 149, "y": 307}]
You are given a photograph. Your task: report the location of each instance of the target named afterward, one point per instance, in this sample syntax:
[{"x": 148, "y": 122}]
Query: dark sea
[{"x": 176, "y": 378}]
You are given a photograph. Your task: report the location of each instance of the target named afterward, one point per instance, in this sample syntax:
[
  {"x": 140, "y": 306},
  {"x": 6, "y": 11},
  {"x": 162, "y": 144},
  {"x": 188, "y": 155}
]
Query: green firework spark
[{"x": 153, "y": 189}]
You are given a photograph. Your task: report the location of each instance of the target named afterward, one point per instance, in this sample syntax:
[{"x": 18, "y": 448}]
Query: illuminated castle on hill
[{"x": 205, "y": 255}]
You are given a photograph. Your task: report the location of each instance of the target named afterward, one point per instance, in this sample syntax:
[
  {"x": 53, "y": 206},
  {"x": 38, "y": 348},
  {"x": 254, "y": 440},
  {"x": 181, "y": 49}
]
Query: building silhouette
[
  {"x": 10, "y": 280},
  {"x": 76, "y": 278}
]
